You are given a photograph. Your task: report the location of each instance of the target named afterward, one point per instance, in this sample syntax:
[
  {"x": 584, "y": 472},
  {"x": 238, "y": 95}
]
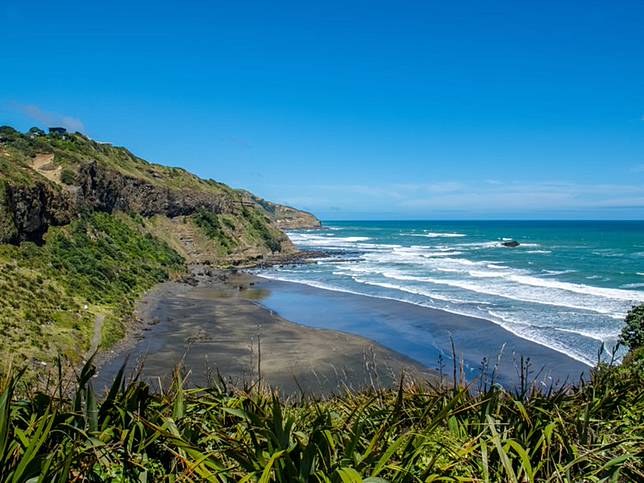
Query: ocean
[{"x": 567, "y": 286}]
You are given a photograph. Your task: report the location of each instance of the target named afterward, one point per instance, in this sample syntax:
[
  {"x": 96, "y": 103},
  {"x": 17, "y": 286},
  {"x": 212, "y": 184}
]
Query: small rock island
[{"x": 510, "y": 243}]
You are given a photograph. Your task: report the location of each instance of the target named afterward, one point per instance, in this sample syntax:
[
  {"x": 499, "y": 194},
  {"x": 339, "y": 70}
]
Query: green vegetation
[
  {"x": 74, "y": 150},
  {"x": 633, "y": 332},
  {"x": 68, "y": 176},
  {"x": 259, "y": 226},
  {"x": 100, "y": 261},
  {"x": 594, "y": 432},
  {"x": 7, "y": 227},
  {"x": 222, "y": 233},
  {"x": 229, "y": 233}
]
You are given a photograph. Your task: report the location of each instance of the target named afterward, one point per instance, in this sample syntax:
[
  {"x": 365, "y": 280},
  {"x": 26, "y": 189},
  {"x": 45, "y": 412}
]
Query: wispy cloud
[
  {"x": 48, "y": 119},
  {"x": 434, "y": 188},
  {"x": 473, "y": 197},
  {"x": 537, "y": 196}
]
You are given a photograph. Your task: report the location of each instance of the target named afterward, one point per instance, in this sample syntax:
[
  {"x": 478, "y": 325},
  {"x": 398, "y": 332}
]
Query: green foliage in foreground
[
  {"x": 594, "y": 432},
  {"x": 633, "y": 332},
  {"x": 100, "y": 261}
]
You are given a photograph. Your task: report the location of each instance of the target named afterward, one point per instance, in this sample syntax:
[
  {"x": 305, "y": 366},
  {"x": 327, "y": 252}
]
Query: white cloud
[{"x": 48, "y": 119}]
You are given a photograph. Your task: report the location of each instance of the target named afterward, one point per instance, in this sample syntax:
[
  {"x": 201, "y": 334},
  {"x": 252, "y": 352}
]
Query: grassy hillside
[
  {"x": 61, "y": 161},
  {"x": 594, "y": 432},
  {"x": 74, "y": 150},
  {"x": 52, "y": 294}
]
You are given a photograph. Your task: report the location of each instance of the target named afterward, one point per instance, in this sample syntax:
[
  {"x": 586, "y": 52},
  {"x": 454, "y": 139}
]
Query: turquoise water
[{"x": 567, "y": 286}]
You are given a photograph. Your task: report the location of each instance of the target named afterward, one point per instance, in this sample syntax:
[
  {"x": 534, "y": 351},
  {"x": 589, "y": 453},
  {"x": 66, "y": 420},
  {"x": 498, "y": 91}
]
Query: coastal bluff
[
  {"x": 87, "y": 227},
  {"x": 48, "y": 180}
]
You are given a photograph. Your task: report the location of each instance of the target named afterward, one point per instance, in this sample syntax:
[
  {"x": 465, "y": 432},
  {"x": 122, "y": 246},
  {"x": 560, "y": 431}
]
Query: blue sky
[{"x": 353, "y": 110}]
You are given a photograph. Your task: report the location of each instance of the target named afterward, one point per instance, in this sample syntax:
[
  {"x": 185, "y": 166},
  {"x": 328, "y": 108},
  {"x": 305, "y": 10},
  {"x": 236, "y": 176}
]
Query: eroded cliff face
[
  {"x": 30, "y": 210},
  {"x": 108, "y": 190}
]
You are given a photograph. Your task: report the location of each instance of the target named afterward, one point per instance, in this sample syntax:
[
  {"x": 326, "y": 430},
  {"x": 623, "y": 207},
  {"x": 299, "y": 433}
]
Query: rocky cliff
[
  {"x": 47, "y": 180},
  {"x": 28, "y": 210}
]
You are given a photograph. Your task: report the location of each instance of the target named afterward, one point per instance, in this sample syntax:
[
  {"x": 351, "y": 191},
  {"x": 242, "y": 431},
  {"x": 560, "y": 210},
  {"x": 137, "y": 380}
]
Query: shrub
[
  {"x": 260, "y": 224},
  {"x": 67, "y": 176},
  {"x": 210, "y": 224},
  {"x": 36, "y": 131},
  {"x": 633, "y": 332}
]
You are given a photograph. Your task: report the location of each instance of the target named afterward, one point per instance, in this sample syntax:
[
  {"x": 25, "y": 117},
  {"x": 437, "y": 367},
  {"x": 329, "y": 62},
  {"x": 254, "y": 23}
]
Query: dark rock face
[
  {"x": 510, "y": 244},
  {"x": 34, "y": 208},
  {"x": 107, "y": 190}
]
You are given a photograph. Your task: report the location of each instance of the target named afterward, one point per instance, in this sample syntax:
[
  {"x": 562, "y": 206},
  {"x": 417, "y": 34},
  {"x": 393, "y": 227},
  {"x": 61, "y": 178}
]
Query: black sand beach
[
  {"x": 339, "y": 341},
  {"x": 219, "y": 326}
]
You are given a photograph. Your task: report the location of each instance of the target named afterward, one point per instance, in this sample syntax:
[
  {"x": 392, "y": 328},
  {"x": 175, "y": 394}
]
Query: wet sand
[
  {"x": 220, "y": 327},
  {"x": 422, "y": 333}
]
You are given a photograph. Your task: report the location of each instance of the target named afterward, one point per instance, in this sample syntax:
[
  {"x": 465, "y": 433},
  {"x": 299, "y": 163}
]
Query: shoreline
[
  {"x": 395, "y": 325},
  {"x": 453, "y": 312},
  {"x": 219, "y": 326},
  {"x": 189, "y": 320}
]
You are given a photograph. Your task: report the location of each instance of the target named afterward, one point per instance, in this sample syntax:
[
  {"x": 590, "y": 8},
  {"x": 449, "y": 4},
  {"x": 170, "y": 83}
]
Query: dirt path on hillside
[{"x": 44, "y": 164}]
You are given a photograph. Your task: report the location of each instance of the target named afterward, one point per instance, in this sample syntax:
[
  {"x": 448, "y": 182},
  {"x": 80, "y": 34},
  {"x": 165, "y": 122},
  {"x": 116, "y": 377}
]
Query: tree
[
  {"x": 633, "y": 332},
  {"x": 35, "y": 131}
]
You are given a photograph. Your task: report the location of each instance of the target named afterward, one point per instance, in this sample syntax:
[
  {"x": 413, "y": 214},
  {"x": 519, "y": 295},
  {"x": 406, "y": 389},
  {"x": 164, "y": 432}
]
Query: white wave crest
[
  {"x": 595, "y": 299},
  {"x": 436, "y": 235},
  {"x": 496, "y": 266}
]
